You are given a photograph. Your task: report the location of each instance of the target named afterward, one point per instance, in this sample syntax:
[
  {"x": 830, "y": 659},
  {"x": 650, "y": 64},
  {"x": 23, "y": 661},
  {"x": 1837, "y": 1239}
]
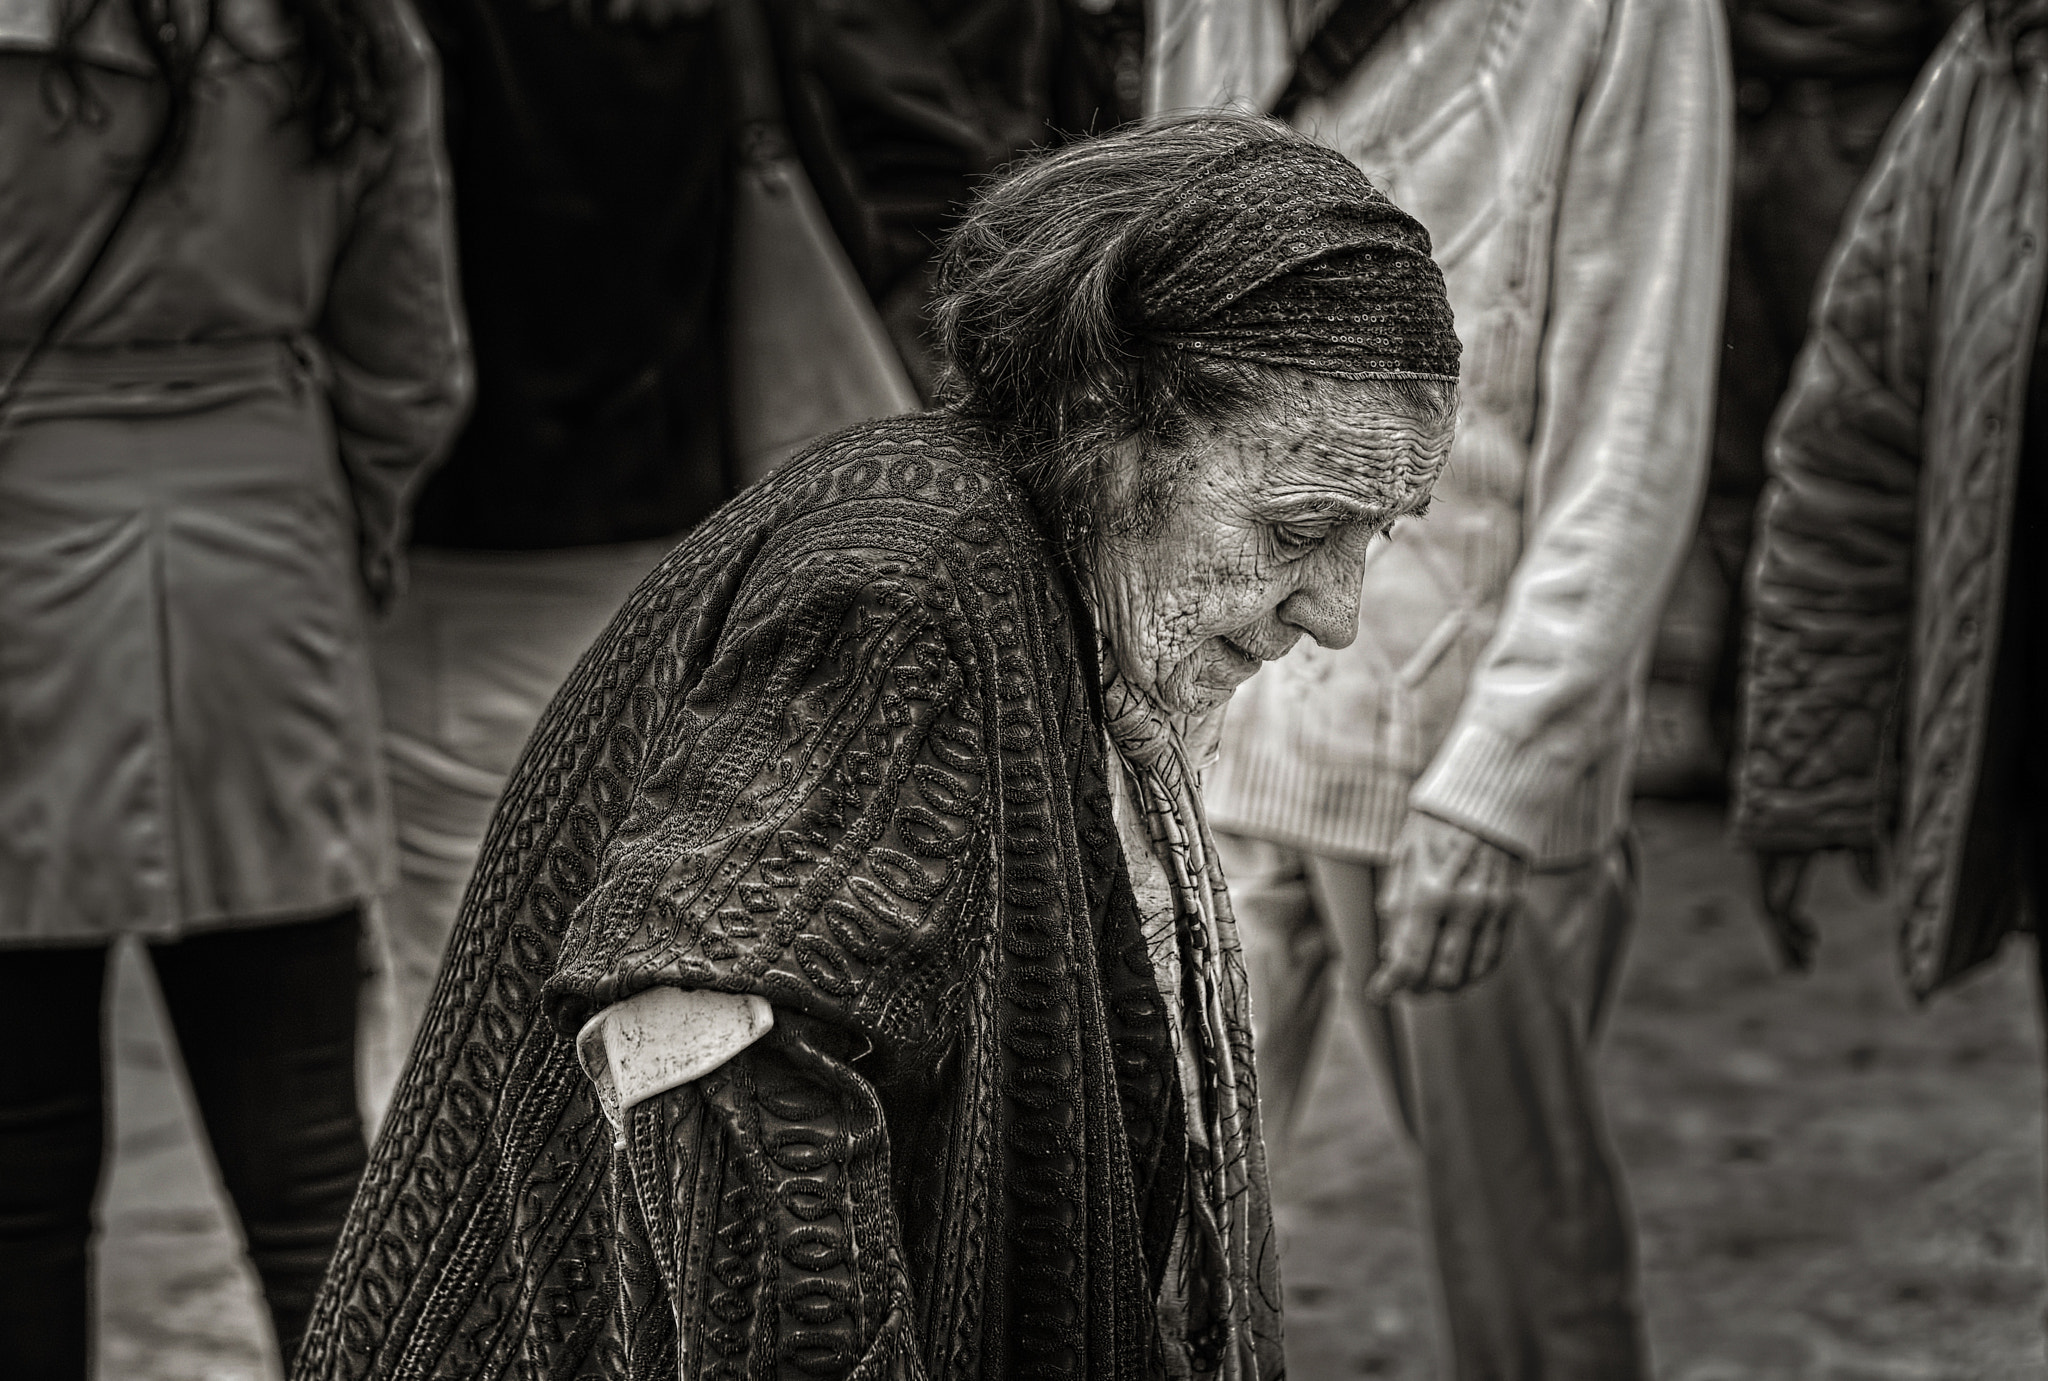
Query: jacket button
[
  {"x": 2026, "y": 246},
  {"x": 1991, "y": 424},
  {"x": 1968, "y": 628}
]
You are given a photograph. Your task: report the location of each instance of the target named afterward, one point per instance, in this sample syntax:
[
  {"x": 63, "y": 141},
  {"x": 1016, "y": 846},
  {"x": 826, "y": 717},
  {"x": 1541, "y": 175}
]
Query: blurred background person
[
  {"x": 1895, "y": 667},
  {"x": 694, "y": 234},
  {"x": 1816, "y": 83},
  {"x": 1387, "y": 808},
  {"x": 229, "y": 346}
]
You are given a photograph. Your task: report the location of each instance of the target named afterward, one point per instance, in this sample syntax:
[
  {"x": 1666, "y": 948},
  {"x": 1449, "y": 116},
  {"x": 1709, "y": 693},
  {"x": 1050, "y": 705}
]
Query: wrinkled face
[{"x": 1263, "y": 538}]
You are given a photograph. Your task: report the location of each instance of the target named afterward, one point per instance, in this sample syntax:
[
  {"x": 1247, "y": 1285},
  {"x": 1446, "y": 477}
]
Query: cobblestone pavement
[{"x": 1831, "y": 1184}]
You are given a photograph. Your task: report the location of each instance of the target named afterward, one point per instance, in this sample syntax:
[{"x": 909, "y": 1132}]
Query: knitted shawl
[{"x": 845, "y": 750}]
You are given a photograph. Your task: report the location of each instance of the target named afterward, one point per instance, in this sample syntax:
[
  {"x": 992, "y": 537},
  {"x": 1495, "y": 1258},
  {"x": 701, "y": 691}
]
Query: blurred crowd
[{"x": 359, "y": 357}]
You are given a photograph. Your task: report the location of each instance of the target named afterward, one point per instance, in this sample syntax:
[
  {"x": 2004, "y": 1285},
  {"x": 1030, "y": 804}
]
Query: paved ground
[{"x": 1831, "y": 1185}]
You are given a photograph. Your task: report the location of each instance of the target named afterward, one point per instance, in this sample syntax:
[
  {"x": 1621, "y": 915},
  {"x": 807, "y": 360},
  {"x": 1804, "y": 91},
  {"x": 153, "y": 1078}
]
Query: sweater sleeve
[
  {"x": 1830, "y": 574},
  {"x": 392, "y": 326},
  {"x": 1625, "y": 394},
  {"x": 760, "y": 1197},
  {"x": 816, "y": 837}
]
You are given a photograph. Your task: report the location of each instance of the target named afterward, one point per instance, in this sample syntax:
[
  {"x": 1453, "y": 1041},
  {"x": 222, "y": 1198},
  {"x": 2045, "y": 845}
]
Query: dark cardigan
[{"x": 843, "y": 750}]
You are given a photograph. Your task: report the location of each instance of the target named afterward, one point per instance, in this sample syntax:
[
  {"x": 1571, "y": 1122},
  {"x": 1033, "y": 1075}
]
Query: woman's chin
[{"x": 1213, "y": 686}]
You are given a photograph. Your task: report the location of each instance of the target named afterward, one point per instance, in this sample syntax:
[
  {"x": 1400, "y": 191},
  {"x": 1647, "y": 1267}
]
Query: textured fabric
[
  {"x": 841, "y": 750},
  {"x": 1210, "y": 1322},
  {"x": 1882, "y": 542},
  {"x": 466, "y": 664},
  {"x": 1496, "y": 1085},
  {"x": 188, "y": 724},
  {"x": 1816, "y": 85},
  {"x": 248, "y": 238},
  {"x": 264, "y": 1020},
  {"x": 1570, "y": 162},
  {"x": 1277, "y": 255},
  {"x": 1802, "y": 147}
]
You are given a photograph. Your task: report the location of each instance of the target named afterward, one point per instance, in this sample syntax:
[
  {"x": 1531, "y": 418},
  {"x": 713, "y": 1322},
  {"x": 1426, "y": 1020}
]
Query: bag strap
[{"x": 1338, "y": 45}]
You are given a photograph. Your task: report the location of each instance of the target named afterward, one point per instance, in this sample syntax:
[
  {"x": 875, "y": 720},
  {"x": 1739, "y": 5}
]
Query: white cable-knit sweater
[{"x": 1571, "y": 160}]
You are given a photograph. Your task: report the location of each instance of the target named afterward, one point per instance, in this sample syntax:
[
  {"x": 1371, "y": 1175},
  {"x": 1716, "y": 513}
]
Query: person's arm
[
  {"x": 1625, "y": 401},
  {"x": 1625, "y": 406},
  {"x": 762, "y": 1193},
  {"x": 392, "y": 327},
  {"x": 1830, "y": 575},
  {"x": 768, "y": 948}
]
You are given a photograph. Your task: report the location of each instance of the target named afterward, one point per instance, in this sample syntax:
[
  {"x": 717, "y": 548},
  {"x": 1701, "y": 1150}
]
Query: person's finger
[
  {"x": 1410, "y": 942},
  {"x": 1488, "y": 945},
  {"x": 1462, "y": 917}
]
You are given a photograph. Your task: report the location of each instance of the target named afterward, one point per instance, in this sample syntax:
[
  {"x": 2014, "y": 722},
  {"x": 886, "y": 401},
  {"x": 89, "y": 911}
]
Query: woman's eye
[{"x": 1295, "y": 540}]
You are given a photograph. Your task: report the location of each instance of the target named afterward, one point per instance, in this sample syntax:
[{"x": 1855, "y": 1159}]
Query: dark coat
[
  {"x": 1884, "y": 536},
  {"x": 595, "y": 146},
  {"x": 842, "y": 750}
]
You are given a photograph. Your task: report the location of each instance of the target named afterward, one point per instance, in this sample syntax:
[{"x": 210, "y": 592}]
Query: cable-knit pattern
[
  {"x": 841, "y": 750},
  {"x": 1884, "y": 537}
]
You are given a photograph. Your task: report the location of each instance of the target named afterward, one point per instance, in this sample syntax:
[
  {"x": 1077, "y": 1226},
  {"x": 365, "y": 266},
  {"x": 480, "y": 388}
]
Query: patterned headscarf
[{"x": 1283, "y": 254}]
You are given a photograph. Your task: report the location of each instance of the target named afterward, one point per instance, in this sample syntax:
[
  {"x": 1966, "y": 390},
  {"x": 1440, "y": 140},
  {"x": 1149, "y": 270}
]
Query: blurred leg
[
  {"x": 1534, "y": 1244},
  {"x": 441, "y": 802},
  {"x": 1346, "y": 893},
  {"x": 1289, "y": 962},
  {"x": 266, "y": 1022},
  {"x": 465, "y": 667},
  {"x": 52, "y": 1141}
]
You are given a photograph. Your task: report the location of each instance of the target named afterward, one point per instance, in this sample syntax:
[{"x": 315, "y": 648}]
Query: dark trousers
[{"x": 266, "y": 1021}]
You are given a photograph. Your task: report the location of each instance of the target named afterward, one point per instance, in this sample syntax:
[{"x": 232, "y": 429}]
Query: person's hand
[{"x": 1444, "y": 909}]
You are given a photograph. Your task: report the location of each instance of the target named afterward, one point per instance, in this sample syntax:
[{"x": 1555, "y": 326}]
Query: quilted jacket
[{"x": 1882, "y": 543}]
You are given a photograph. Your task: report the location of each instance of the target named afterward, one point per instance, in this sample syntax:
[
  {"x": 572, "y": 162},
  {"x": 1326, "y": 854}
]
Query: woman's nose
[{"x": 1327, "y": 609}]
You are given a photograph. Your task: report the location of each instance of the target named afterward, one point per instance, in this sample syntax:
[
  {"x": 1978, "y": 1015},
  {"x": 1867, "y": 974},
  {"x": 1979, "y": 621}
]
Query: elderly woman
[{"x": 848, "y": 988}]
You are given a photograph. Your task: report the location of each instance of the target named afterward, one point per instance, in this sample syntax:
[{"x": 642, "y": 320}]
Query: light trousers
[
  {"x": 1495, "y": 1085},
  {"x": 466, "y": 665}
]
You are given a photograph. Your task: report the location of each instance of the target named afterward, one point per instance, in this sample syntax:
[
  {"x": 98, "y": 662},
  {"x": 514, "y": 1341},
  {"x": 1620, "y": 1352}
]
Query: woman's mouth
[{"x": 1237, "y": 650}]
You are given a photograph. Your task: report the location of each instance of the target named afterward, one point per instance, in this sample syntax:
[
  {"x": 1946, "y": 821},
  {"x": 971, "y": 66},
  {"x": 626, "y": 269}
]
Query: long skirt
[{"x": 188, "y": 727}]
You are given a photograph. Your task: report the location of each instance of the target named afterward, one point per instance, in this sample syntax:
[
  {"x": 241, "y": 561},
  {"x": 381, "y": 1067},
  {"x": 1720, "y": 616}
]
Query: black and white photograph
[{"x": 1023, "y": 690}]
